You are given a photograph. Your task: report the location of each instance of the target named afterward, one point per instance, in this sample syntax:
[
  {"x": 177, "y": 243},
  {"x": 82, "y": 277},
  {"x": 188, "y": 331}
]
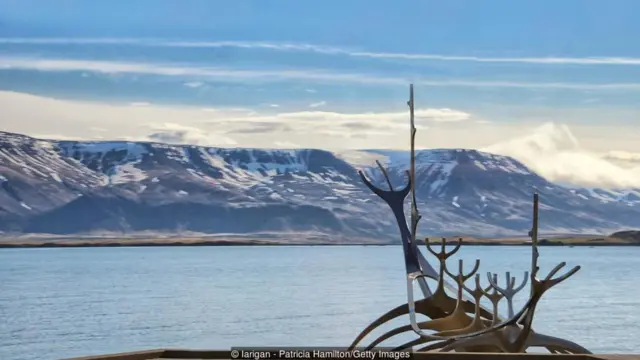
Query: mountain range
[{"x": 78, "y": 188}]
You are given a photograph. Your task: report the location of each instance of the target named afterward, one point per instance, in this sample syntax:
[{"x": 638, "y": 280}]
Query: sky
[{"x": 556, "y": 84}]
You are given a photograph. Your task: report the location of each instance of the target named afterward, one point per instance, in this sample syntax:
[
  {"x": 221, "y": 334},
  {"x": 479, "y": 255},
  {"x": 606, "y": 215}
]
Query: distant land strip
[{"x": 69, "y": 242}]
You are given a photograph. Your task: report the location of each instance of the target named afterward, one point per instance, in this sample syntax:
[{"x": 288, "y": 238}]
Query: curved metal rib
[
  {"x": 390, "y": 315},
  {"x": 509, "y": 292},
  {"x": 458, "y": 317},
  {"x": 553, "y": 344},
  {"x": 523, "y": 317}
]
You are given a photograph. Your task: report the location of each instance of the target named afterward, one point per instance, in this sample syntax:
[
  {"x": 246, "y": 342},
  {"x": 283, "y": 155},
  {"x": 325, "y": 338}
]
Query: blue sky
[
  {"x": 494, "y": 51},
  {"x": 484, "y": 71}
]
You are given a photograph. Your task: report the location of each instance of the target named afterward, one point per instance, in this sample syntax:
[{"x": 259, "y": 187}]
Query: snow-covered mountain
[{"x": 68, "y": 187}]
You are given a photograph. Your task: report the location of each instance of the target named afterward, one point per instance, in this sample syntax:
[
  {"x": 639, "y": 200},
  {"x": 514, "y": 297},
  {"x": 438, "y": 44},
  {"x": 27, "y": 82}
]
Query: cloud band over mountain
[{"x": 551, "y": 150}]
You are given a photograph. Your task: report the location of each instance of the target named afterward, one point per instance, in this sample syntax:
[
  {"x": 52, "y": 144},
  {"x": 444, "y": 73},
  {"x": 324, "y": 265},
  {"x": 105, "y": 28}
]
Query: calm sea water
[{"x": 57, "y": 303}]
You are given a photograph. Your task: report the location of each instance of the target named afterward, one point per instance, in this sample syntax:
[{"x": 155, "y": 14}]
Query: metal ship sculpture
[
  {"x": 459, "y": 326},
  {"x": 460, "y": 323}
]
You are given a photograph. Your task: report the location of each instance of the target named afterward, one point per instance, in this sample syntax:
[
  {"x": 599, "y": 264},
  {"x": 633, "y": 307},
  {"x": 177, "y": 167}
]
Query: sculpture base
[{"x": 167, "y": 354}]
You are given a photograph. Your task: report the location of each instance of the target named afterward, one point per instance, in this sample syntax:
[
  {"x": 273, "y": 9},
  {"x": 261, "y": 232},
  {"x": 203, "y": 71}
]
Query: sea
[{"x": 57, "y": 303}]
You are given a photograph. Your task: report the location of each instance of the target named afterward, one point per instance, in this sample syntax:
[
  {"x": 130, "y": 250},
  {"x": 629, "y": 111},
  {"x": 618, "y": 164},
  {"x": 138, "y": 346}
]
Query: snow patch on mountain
[
  {"x": 56, "y": 177},
  {"x": 126, "y": 173}
]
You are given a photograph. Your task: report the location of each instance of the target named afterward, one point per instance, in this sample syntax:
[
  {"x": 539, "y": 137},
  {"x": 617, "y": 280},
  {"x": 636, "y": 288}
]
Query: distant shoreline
[{"x": 184, "y": 242}]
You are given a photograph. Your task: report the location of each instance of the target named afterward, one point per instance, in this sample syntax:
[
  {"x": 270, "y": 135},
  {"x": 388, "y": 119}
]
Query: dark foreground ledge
[{"x": 168, "y": 354}]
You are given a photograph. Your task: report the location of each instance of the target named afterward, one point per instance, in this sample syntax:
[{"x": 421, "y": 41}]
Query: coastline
[{"x": 82, "y": 242}]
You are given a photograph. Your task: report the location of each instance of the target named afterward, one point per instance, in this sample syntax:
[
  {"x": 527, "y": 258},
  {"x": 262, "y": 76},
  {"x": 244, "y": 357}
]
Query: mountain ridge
[{"x": 79, "y": 187}]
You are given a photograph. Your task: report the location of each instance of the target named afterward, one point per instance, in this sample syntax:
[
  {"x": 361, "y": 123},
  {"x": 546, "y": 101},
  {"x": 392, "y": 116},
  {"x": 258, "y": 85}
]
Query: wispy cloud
[
  {"x": 286, "y": 144},
  {"x": 623, "y": 155},
  {"x": 29, "y": 113},
  {"x": 194, "y": 84},
  {"x": 318, "y": 104},
  {"x": 121, "y": 67},
  {"x": 524, "y": 60},
  {"x": 270, "y": 75},
  {"x": 624, "y": 158},
  {"x": 554, "y": 152},
  {"x": 329, "y": 50},
  {"x": 180, "y": 134}
]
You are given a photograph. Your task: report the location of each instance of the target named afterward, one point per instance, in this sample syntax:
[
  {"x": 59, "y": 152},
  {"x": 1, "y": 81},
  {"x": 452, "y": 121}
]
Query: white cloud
[
  {"x": 33, "y": 114},
  {"x": 627, "y": 61},
  {"x": 526, "y": 60},
  {"x": 362, "y": 120},
  {"x": 181, "y": 134},
  {"x": 270, "y": 75},
  {"x": 318, "y": 104},
  {"x": 590, "y": 101},
  {"x": 194, "y": 84},
  {"x": 551, "y": 150},
  {"x": 59, "y": 137},
  {"x": 441, "y": 115},
  {"x": 123, "y": 67},
  {"x": 623, "y": 155},
  {"x": 286, "y": 144},
  {"x": 626, "y": 159}
]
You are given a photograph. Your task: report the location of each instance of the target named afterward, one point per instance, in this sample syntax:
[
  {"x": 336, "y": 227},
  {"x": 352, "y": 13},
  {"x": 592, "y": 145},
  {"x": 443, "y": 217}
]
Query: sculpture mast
[
  {"x": 534, "y": 241},
  {"x": 415, "y": 216}
]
